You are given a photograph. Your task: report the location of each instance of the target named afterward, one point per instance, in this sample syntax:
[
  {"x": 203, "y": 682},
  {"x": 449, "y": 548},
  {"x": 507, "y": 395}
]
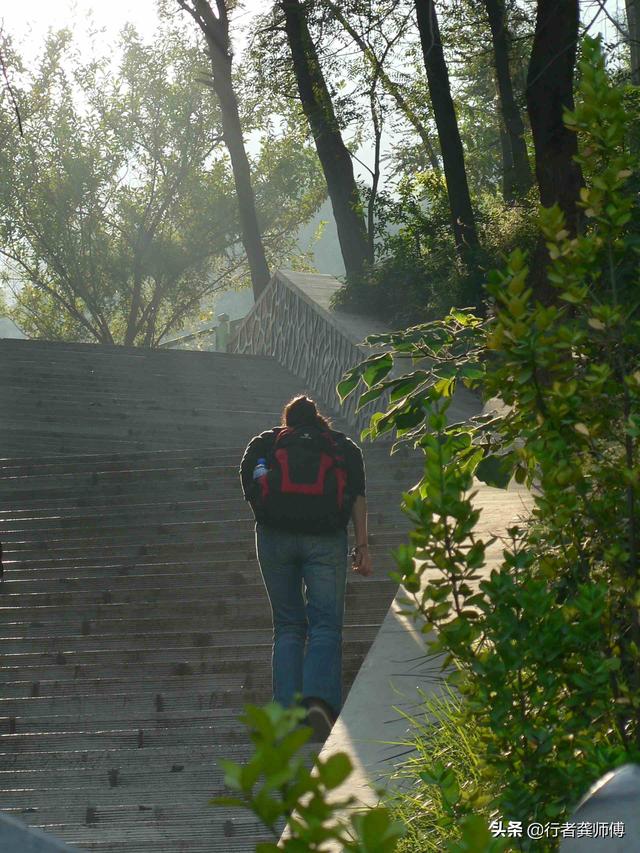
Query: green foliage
[
  {"x": 416, "y": 275},
  {"x": 546, "y": 650},
  {"x": 278, "y": 784},
  {"x": 117, "y": 208},
  {"x": 434, "y": 782}
]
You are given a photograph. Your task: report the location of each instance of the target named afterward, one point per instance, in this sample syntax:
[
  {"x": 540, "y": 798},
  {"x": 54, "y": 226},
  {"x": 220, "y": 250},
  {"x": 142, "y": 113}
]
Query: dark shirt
[{"x": 262, "y": 446}]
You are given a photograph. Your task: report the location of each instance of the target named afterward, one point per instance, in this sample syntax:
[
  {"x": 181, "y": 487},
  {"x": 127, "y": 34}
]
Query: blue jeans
[{"x": 305, "y": 576}]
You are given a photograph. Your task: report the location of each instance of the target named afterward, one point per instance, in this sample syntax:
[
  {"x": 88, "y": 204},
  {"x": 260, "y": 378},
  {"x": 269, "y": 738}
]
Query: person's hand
[{"x": 362, "y": 561}]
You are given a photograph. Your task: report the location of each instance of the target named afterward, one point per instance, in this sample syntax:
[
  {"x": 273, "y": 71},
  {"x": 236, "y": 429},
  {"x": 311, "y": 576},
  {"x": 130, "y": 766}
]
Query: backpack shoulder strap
[
  {"x": 282, "y": 433},
  {"x": 338, "y": 439}
]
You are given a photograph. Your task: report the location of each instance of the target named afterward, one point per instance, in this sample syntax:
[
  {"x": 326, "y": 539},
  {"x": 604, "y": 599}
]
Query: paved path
[{"x": 395, "y": 669}]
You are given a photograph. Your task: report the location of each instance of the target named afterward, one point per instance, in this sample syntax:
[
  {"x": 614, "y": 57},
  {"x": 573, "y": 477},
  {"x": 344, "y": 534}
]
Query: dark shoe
[{"x": 320, "y": 717}]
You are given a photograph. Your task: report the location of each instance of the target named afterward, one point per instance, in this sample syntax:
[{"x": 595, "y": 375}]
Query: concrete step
[
  {"x": 98, "y": 757},
  {"x": 219, "y": 617},
  {"x": 220, "y": 470},
  {"x": 133, "y": 493},
  {"x": 133, "y": 778},
  {"x": 33, "y": 505},
  {"x": 210, "y": 693},
  {"x": 109, "y": 395},
  {"x": 107, "y": 575},
  {"x": 193, "y": 636},
  {"x": 148, "y": 681},
  {"x": 199, "y": 651},
  {"x": 45, "y": 353},
  {"x": 189, "y": 827},
  {"x": 37, "y": 524},
  {"x": 193, "y": 533},
  {"x": 13, "y": 443},
  {"x": 109, "y": 566},
  {"x": 141, "y": 703},
  {"x": 189, "y": 663},
  {"x": 147, "y": 591},
  {"x": 134, "y": 623},
  {"x": 110, "y": 688},
  {"x": 56, "y": 737},
  {"x": 224, "y": 467},
  {"x": 189, "y": 456},
  {"x": 174, "y": 434},
  {"x": 217, "y": 545}
]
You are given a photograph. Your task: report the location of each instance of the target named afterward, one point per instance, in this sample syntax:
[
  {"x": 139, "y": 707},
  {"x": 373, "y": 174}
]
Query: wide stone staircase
[{"x": 134, "y": 625}]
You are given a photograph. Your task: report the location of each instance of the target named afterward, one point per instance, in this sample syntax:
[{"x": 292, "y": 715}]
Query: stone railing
[
  {"x": 214, "y": 338},
  {"x": 306, "y": 339}
]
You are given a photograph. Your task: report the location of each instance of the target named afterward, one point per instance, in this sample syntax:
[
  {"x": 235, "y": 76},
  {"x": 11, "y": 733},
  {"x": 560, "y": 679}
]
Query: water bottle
[{"x": 261, "y": 469}]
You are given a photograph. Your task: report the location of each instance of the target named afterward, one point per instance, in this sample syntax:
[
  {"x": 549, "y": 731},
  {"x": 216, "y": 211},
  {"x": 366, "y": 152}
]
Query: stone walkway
[{"x": 396, "y": 669}]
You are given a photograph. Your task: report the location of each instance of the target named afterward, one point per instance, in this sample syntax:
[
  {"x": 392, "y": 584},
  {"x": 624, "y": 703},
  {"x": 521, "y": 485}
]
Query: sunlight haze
[{"x": 87, "y": 17}]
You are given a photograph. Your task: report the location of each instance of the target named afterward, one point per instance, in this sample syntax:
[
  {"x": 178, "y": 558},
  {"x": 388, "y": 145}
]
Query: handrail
[{"x": 181, "y": 339}]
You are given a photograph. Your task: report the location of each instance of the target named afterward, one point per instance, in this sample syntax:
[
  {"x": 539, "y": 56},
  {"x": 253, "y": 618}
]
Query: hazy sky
[
  {"x": 29, "y": 22},
  {"x": 42, "y": 14}
]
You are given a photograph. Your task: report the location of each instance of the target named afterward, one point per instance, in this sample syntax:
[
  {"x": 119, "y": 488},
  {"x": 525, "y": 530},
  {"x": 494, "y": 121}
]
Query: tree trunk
[
  {"x": 517, "y": 170},
  {"x": 332, "y": 152},
  {"x": 549, "y": 93},
  {"x": 633, "y": 24},
  {"x": 507, "y": 165},
  {"x": 633, "y": 38},
  {"x": 391, "y": 87},
  {"x": 463, "y": 221},
  {"x": 216, "y": 31}
]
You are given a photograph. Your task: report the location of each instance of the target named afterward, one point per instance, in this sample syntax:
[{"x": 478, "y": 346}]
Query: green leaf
[
  {"x": 377, "y": 368},
  {"x": 445, "y": 387},
  {"x": 408, "y": 420},
  {"x": 249, "y": 774},
  {"x": 290, "y": 744},
  {"x": 472, "y": 371},
  {"x": 497, "y": 471},
  {"x": 375, "y": 426},
  {"x": 232, "y": 774},
  {"x": 405, "y": 385},
  {"x": 335, "y": 770},
  {"x": 348, "y": 384},
  {"x": 369, "y": 396},
  {"x": 377, "y": 831}
]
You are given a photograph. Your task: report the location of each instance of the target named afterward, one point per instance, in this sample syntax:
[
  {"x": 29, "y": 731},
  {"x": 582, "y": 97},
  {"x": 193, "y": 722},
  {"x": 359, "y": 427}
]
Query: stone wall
[{"x": 308, "y": 341}]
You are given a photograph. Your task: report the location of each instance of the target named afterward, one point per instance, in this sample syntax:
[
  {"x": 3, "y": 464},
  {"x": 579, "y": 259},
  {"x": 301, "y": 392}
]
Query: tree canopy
[
  {"x": 117, "y": 207},
  {"x": 149, "y": 178}
]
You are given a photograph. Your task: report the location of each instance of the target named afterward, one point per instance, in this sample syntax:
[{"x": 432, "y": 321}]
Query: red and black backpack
[{"x": 306, "y": 488}]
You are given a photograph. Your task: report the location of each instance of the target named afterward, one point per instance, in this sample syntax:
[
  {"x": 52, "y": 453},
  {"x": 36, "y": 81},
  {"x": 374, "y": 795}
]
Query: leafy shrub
[
  {"x": 416, "y": 275},
  {"x": 278, "y": 784},
  {"x": 546, "y": 651}
]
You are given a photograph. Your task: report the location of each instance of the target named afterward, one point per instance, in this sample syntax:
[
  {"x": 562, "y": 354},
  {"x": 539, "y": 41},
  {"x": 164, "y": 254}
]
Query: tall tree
[
  {"x": 517, "y": 170},
  {"x": 332, "y": 152},
  {"x": 549, "y": 93},
  {"x": 463, "y": 220},
  {"x": 216, "y": 32},
  {"x": 633, "y": 24}
]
